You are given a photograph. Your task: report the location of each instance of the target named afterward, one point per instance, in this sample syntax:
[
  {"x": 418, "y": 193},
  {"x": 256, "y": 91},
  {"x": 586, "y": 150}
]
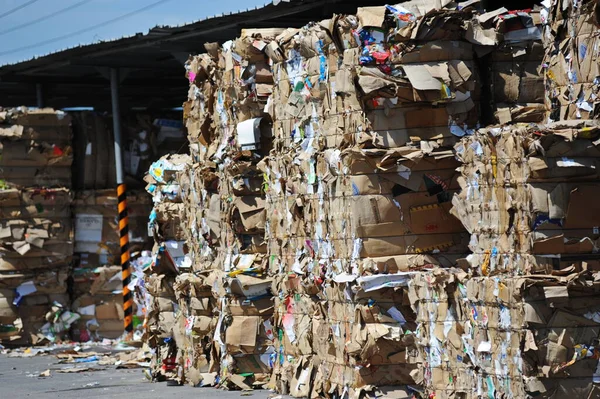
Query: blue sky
[{"x": 93, "y": 12}]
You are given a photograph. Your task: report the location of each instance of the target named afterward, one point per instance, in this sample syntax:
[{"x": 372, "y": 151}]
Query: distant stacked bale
[{"x": 35, "y": 227}]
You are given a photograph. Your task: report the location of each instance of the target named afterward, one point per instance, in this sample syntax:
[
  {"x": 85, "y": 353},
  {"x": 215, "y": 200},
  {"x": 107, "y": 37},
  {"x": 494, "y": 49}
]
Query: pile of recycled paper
[{"x": 387, "y": 201}]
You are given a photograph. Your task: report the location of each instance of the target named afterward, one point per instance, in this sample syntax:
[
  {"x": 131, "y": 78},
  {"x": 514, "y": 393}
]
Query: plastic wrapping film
[{"x": 36, "y": 232}]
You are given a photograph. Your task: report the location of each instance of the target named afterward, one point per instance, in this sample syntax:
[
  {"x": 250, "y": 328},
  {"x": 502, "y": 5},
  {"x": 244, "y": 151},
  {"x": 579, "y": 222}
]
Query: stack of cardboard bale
[
  {"x": 98, "y": 249},
  {"x": 97, "y": 225},
  {"x": 200, "y": 307},
  {"x": 528, "y": 201},
  {"x": 324, "y": 205},
  {"x": 94, "y": 154},
  {"x": 572, "y": 36},
  {"x": 169, "y": 260},
  {"x": 515, "y": 65},
  {"x": 366, "y": 110},
  {"x": 146, "y": 138},
  {"x": 95, "y": 210},
  {"x": 36, "y": 231},
  {"x": 98, "y": 299},
  {"x": 357, "y": 228},
  {"x": 230, "y": 133}
]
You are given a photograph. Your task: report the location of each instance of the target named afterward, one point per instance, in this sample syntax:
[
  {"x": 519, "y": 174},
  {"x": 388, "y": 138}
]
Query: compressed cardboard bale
[
  {"x": 195, "y": 327},
  {"x": 475, "y": 323},
  {"x": 322, "y": 177},
  {"x": 570, "y": 75},
  {"x": 519, "y": 203},
  {"x": 467, "y": 325},
  {"x": 36, "y": 148},
  {"x": 515, "y": 66},
  {"x": 35, "y": 222},
  {"x": 168, "y": 326},
  {"x": 322, "y": 99},
  {"x": 146, "y": 137},
  {"x": 96, "y": 224},
  {"x": 224, "y": 203},
  {"x": 26, "y": 299}
]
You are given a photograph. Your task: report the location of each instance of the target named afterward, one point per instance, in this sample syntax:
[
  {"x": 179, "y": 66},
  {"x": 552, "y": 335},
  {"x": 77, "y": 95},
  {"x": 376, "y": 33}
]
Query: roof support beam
[
  {"x": 39, "y": 94},
  {"x": 122, "y": 203}
]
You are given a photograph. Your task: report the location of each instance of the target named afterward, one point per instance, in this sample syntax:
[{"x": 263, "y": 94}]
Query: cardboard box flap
[
  {"x": 584, "y": 208},
  {"x": 371, "y": 16},
  {"x": 243, "y": 331},
  {"x": 250, "y": 286}
]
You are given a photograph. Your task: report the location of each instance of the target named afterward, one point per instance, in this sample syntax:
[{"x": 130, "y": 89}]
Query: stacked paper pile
[
  {"x": 146, "y": 138},
  {"x": 527, "y": 199},
  {"x": 227, "y": 229},
  {"x": 356, "y": 228},
  {"x": 509, "y": 336},
  {"x": 97, "y": 225},
  {"x": 98, "y": 294},
  {"x": 169, "y": 259},
  {"x": 96, "y": 282},
  {"x": 36, "y": 231},
  {"x": 194, "y": 329},
  {"x": 571, "y": 52},
  {"x": 359, "y": 188},
  {"x": 516, "y": 70}
]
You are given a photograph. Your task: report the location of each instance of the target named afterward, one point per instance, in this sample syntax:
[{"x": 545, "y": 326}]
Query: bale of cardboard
[{"x": 36, "y": 239}]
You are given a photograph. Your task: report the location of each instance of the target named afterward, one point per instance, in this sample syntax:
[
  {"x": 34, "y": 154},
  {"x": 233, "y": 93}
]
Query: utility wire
[
  {"x": 85, "y": 30},
  {"x": 14, "y": 10},
  {"x": 45, "y": 17}
]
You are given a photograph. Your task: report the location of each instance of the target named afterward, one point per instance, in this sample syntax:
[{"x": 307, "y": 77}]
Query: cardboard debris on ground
[{"x": 79, "y": 370}]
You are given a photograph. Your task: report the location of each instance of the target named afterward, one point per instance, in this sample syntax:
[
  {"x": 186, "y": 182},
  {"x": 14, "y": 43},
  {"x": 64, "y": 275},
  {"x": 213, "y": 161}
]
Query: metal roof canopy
[{"x": 151, "y": 63}]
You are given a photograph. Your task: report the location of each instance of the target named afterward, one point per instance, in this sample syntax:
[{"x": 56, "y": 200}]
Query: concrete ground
[{"x": 19, "y": 378}]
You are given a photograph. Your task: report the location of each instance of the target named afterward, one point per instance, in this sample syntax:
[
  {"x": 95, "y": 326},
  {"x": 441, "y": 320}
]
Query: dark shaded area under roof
[{"x": 152, "y": 72}]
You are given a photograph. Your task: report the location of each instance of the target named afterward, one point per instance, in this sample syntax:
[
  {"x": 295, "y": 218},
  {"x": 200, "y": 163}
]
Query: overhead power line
[
  {"x": 45, "y": 17},
  {"x": 14, "y": 10},
  {"x": 85, "y": 30}
]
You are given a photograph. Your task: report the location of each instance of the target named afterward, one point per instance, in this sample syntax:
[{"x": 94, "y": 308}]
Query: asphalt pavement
[{"x": 20, "y": 378}]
